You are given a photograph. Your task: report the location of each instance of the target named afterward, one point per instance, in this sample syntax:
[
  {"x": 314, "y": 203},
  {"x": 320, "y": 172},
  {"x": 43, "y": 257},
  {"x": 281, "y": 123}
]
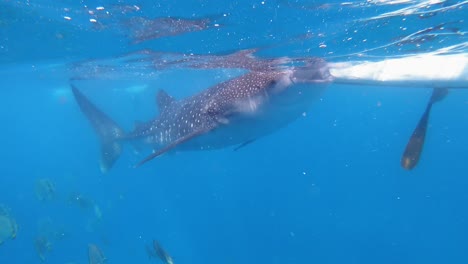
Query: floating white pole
[{"x": 428, "y": 70}]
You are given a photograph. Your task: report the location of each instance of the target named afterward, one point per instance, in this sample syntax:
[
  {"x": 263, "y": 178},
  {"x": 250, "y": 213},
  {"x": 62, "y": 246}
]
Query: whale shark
[{"x": 235, "y": 112}]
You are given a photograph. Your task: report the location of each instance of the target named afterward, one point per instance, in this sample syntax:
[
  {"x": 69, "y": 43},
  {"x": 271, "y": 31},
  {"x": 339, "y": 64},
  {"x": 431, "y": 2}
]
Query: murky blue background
[{"x": 327, "y": 189}]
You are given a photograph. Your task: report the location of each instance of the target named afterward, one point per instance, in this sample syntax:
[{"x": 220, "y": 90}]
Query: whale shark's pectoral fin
[
  {"x": 248, "y": 142},
  {"x": 174, "y": 144}
]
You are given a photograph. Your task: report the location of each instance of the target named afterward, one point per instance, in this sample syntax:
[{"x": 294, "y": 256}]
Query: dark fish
[
  {"x": 161, "y": 253},
  {"x": 414, "y": 148}
]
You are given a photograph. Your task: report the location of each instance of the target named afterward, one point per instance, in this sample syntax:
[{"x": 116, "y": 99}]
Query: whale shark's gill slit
[{"x": 173, "y": 145}]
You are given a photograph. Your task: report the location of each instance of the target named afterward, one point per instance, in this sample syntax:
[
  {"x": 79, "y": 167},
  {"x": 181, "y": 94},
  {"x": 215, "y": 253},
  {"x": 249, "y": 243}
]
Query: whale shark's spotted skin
[
  {"x": 230, "y": 113},
  {"x": 209, "y": 109}
]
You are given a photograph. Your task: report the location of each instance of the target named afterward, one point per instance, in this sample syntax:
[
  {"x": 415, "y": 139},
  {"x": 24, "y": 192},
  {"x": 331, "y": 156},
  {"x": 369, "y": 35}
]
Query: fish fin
[
  {"x": 248, "y": 142},
  {"x": 173, "y": 145},
  {"x": 108, "y": 131},
  {"x": 163, "y": 100}
]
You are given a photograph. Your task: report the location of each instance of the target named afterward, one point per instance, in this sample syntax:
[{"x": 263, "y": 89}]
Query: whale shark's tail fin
[{"x": 108, "y": 131}]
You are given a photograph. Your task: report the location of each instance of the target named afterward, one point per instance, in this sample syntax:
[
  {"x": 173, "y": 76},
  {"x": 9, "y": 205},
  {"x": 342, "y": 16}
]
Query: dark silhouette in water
[
  {"x": 143, "y": 29},
  {"x": 414, "y": 148},
  {"x": 157, "y": 251},
  {"x": 43, "y": 246},
  {"x": 95, "y": 255}
]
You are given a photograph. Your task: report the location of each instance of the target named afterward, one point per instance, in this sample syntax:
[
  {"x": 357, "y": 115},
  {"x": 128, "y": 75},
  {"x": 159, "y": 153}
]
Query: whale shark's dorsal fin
[{"x": 163, "y": 100}]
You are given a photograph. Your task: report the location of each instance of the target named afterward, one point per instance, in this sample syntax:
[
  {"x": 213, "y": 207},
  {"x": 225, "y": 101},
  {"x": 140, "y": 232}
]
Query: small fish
[
  {"x": 80, "y": 200},
  {"x": 95, "y": 255},
  {"x": 43, "y": 246},
  {"x": 414, "y": 147},
  {"x": 159, "y": 252},
  {"x": 45, "y": 190}
]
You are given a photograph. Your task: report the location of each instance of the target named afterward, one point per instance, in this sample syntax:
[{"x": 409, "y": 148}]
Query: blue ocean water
[{"x": 328, "y": 188}]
